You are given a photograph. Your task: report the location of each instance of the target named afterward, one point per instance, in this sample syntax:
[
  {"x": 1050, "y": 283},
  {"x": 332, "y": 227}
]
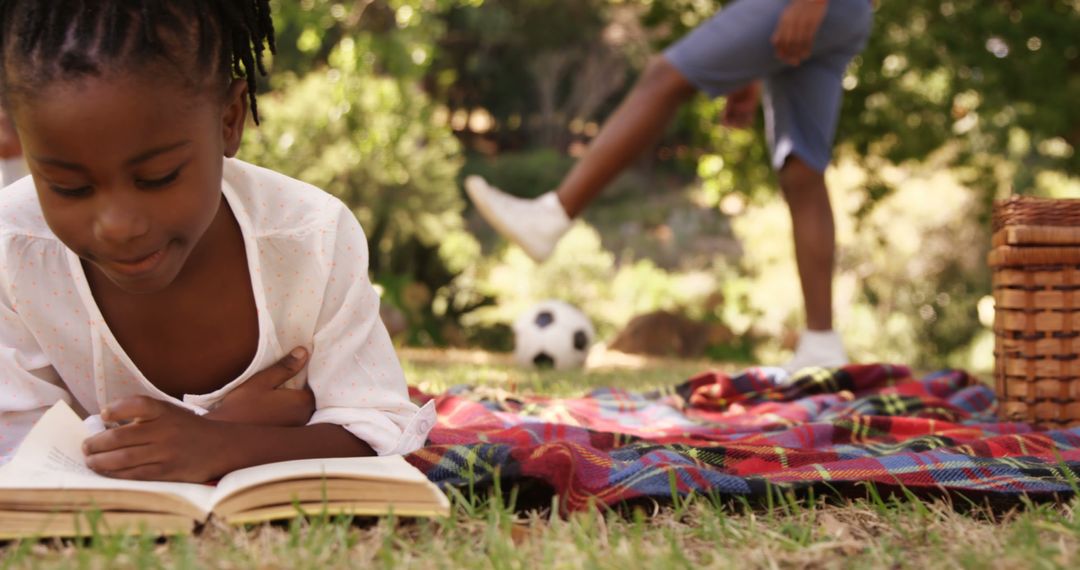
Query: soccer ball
[{"x": 552, "y": 334}]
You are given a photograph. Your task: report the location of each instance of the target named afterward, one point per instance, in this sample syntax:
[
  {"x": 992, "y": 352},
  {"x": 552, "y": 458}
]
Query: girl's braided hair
[{"x": 49, "y": 39}]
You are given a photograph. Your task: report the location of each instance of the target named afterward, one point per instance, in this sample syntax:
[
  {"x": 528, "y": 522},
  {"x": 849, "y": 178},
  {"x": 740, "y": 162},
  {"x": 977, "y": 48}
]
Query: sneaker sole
[{"x": 495, "y": 222}]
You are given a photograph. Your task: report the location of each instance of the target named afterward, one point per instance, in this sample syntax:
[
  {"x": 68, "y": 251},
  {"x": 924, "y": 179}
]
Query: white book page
[
  {"x": 385, "y": 468},
  {"x": 51, "y": 458}
]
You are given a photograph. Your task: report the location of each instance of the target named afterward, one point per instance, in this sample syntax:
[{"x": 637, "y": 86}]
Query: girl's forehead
[
  {"x": 117, "y": 94},
  {"x": 108, "y": 120}
]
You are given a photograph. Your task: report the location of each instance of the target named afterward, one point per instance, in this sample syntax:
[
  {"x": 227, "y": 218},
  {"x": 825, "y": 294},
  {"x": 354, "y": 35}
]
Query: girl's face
[{"x": 128, "y": 171}]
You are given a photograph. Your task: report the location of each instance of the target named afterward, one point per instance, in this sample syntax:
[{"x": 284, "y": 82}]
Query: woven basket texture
[{"x": 1036, "y": 278}]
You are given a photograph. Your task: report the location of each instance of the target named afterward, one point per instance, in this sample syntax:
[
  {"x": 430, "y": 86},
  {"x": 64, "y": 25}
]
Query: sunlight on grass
[{"x": 433, "y": 373}]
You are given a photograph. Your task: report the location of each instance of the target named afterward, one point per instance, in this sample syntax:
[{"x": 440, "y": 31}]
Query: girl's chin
[
  {"x": 150, "y": 274},
  {"x": 139, "y": 285}
]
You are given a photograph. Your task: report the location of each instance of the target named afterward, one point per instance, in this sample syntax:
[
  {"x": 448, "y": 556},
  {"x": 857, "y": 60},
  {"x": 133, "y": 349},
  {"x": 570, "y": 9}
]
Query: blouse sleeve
[
  {"x": 353, "y": 371},
  {"x": 29, "y": 385}
]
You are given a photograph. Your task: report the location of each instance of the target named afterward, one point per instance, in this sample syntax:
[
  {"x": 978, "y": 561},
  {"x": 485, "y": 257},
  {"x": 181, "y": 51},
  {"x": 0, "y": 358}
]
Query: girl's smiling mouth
[{"x": 136, "y": 266}]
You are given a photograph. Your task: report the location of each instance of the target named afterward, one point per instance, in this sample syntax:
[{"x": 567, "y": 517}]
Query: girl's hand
[
  {"x": 262, "y": 401},
  {"x": 741, "y": 105},
  {"x": 158, "y": 441},
  {"x": 794, "y": 35}
]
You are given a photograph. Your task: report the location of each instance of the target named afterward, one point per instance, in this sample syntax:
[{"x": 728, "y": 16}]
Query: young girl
[{"x": 148, "y": 277}]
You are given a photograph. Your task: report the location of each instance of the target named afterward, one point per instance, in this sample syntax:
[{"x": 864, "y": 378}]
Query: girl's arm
[
  {"x": 256, "y": 445},
  {"x": 159, "y": 441},
  {"x": 29, "y": 385},
  {"x": 258, "y": 422},
  {"x": 353, "y": 370}
]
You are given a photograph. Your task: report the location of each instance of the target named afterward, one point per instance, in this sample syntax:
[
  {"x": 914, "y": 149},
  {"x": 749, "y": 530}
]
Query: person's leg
[
  {"x": 815, "y": 241},
  {"x": 635, "y": 126},
  {"x": 536, "y": 225},
  {"x": 725, "y": 53},
  {"x": 802, "y": 105}
]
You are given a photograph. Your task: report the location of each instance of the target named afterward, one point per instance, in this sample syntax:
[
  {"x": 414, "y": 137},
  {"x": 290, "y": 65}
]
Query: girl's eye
[
  {"x": 159, "y": 182},
  {"x": 71, "y": 192}
]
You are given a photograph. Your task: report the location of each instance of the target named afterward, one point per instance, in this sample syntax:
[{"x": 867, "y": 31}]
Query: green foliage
[
  {"x": 990, "y": 84},
  {"x": 372, "y": 140},
  {"x": 484, "y": 58},
  {"x": 993, "y": 84},
  {"x": 996, "y": 79},
  {"x": 909, "y": 275},
  {"x": 398, "y": 35},
  {"x": 734, "y": 161},
  {"x": 584, "y": 274},
  {"x": 982, "y": 90},
  {"x": 987, "y": 81},
  {"x": 533, "y": 172}
]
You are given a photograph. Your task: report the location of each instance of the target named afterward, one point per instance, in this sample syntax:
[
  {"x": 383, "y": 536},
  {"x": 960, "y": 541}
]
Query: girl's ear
[{"x": 233, "y": 116}]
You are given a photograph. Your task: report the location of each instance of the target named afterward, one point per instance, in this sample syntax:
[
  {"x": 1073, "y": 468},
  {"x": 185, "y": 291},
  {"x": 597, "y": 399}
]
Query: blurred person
[{"x": 792, "y": 52}]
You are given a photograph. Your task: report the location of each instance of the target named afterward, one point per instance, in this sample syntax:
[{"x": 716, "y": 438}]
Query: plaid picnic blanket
[{"x": 747, "y": 433}]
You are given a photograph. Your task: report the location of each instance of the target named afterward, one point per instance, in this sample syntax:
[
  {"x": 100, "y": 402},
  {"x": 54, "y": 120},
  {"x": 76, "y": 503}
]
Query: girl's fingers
[
  {"x": 134, "y": 408},
  {"x": 146, "y": 472},
  {"x": 306, "y": 397},
  {"x": 114, "y": 438},
  {"x": 280, "y": 372},
  {"x": 119, "y": 460}
]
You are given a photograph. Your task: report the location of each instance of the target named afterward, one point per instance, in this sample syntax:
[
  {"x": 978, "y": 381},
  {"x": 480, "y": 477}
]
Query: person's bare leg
[
  {"x": 640, "y": 119},
  {"x": 537, "y": 224},
  {"x": 815, "y": 240}
]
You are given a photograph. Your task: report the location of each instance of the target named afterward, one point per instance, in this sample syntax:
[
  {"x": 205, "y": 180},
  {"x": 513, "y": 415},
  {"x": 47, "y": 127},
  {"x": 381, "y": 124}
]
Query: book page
[
  {"x": 386, "y": 468},
  {"x": 54, "y": 444},
  {"x": 51, "y": 458}
]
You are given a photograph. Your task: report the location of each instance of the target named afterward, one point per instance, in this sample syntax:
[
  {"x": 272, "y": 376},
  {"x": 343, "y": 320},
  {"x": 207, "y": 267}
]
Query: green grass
[
  {"x": 696, "y": 534},
  {"x": 434, "y": 372},
  {"x": 701, "y": 532}
]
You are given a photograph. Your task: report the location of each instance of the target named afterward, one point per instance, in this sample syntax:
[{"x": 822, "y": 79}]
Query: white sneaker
[
  {"x": 821, "y": 349},
  {"x": 535, "y": 225}
]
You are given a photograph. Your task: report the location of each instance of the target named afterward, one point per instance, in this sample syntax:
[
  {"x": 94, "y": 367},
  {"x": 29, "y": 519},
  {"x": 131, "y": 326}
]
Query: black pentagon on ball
[
  {"x": 581, "y": 340},
  {"x": 543, "y": 360},
  {"x": 544, "y": 318}
]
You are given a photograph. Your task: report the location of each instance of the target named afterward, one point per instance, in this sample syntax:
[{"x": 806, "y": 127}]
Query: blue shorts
[{"x": 802, "y": 103}]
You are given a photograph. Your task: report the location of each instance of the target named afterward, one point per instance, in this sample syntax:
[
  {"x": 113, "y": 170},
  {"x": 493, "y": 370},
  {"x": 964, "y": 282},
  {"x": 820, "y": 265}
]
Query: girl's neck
[
  {"x": 212, "y": 251},
  {"x": 208, "y": 310}
]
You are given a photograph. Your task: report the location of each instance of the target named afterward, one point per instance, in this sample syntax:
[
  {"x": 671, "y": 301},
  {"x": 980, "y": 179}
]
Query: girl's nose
[{"x": 120, "y": 222}]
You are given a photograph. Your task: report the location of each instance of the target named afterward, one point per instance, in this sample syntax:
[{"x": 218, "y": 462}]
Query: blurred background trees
[{"x": 389, "y": 103}]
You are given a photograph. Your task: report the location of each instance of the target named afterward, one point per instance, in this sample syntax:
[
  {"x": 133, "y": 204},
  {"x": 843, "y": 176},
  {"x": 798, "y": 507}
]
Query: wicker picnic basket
[{"x": 1036, "y": 278}]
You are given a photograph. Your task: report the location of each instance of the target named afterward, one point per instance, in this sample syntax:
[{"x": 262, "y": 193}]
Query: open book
[{"x": 46, "y": 490}]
